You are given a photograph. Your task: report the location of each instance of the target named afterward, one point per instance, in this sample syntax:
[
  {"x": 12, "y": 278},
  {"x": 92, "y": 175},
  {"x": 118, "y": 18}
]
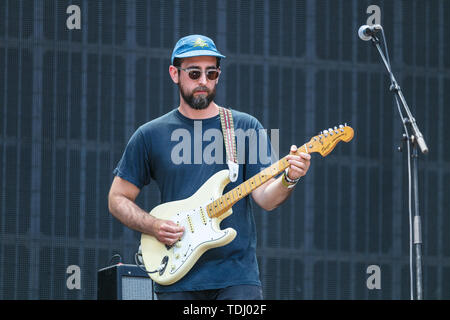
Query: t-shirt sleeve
[
  {"x": 259, "y": 153},
  {"x": 134, "y": 166}
]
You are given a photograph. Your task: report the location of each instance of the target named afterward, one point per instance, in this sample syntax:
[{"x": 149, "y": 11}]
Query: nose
[{"x": 203, "y": 80}]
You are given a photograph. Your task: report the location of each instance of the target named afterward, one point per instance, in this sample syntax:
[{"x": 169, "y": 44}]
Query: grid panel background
[{"x": 70, "y": 100}]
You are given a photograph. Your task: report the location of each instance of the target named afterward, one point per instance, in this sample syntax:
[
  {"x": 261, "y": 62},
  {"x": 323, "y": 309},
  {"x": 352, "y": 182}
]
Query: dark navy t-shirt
[{"x": 180, "y": 154}]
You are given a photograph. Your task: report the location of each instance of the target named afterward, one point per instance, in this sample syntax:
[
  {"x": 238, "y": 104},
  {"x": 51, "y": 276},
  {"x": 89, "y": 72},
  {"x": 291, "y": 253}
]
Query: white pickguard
[{"x": 199, "y": 229}]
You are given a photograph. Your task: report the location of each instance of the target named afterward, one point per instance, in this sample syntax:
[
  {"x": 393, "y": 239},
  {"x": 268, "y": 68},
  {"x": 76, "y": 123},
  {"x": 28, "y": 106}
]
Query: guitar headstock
[{"x": 326, "y": 140}]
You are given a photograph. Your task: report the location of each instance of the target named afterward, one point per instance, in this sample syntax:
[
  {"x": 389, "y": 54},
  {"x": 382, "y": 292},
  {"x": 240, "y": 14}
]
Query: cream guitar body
[
  {"x": 202, "y": 213},
  {"x": 201, "y": 232}
]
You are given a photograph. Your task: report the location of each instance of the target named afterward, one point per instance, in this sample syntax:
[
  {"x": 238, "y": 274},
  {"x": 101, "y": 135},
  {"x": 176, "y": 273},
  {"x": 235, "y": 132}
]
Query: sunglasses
[{"x": 194, "y": 73}]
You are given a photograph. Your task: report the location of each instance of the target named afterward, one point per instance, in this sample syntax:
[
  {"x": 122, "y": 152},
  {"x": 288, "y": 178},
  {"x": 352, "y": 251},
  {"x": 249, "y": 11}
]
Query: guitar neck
[{"x": 226, "y": 201}]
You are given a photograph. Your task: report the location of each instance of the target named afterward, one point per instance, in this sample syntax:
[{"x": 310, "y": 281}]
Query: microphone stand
[{"x": 414, "y": 140}]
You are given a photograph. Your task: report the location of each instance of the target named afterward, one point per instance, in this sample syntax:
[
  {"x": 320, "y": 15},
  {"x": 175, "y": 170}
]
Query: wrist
[
  {"x": 288, "y": 182},
  {"x": 150, "y": 223}
]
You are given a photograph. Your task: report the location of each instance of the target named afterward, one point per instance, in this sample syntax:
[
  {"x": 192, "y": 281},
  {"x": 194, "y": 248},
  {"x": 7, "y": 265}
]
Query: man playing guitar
[{"x": 230, "y": 271}]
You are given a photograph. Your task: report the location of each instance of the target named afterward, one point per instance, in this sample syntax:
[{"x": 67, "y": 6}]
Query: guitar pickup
[
  {"x": 202, "y": 215},
  {"x": 191, "y": 226}
]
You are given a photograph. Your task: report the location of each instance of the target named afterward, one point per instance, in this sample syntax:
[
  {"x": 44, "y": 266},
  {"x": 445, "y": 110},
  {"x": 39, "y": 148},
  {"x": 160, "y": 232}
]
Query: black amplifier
[{"x": 124, "y": 282}]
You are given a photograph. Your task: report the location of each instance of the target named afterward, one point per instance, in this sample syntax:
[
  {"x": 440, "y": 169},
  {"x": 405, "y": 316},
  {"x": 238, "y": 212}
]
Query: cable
[
  {"x": 142, "y": 267},
  {"x": 410, "y": 225},
  {"x": 387, "y": 57},
  {"x": 116, "y": 255},
  {"x": 407, "y": 137}
]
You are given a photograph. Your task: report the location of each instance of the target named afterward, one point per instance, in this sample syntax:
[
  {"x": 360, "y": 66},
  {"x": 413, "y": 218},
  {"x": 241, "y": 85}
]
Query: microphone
[{"x": 366, "y": 32}]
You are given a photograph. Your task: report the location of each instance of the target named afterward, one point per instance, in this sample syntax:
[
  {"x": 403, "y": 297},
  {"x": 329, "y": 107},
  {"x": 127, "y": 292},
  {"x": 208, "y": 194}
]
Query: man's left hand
[{"x": 299, "y": 165}]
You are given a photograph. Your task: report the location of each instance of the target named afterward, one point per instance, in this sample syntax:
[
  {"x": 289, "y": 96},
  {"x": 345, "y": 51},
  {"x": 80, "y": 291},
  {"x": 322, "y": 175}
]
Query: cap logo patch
[{"x": 200, "y": 43}]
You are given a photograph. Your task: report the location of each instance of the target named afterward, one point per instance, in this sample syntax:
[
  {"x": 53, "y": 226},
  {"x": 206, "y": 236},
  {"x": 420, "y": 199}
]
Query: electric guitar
[{"x": 202, "y": 213}]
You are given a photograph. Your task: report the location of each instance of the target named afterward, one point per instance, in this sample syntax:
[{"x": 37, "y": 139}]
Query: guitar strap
[{"x": 226, "y": 120}]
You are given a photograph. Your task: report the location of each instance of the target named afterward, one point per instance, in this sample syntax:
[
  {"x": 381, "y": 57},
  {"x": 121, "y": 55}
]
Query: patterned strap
[{"x": 226, "y": 120}]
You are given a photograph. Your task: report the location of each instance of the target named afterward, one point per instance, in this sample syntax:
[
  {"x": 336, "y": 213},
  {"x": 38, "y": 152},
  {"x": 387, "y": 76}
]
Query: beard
[{"x": 198, "y": 102}]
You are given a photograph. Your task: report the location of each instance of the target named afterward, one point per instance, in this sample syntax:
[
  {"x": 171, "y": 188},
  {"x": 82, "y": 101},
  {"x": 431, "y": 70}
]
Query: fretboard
[{"x": 226, "y": 201}]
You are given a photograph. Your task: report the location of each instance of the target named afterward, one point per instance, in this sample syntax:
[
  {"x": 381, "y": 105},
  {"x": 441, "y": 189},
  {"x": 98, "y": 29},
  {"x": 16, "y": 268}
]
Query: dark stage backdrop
[{"x": 70, "y": 100}]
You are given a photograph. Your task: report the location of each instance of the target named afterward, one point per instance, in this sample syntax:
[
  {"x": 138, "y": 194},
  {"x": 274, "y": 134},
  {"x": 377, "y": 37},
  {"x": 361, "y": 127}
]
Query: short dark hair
[{"x": 177, "y": 62}]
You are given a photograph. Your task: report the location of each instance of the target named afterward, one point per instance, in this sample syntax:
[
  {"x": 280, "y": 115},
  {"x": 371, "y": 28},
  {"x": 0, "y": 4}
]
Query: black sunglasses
[{"x": 195, "y": 73}]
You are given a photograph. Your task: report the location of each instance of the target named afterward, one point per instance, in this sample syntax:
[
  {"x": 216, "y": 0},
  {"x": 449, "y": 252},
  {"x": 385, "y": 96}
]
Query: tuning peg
[{"x": 341, "y": 126}]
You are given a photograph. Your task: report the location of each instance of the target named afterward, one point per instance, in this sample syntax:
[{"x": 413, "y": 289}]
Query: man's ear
[
  {"x": 217, "y": 80},
  {"x": 173, "y": 71}
]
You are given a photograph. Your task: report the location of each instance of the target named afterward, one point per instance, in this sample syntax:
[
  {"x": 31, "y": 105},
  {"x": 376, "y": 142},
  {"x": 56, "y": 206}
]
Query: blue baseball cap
[{"x": 193, "y": 46}]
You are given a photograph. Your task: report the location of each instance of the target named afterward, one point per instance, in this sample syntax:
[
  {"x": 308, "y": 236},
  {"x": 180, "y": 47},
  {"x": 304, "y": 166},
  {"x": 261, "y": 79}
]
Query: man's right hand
[{"x": 166, "y": 231}]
